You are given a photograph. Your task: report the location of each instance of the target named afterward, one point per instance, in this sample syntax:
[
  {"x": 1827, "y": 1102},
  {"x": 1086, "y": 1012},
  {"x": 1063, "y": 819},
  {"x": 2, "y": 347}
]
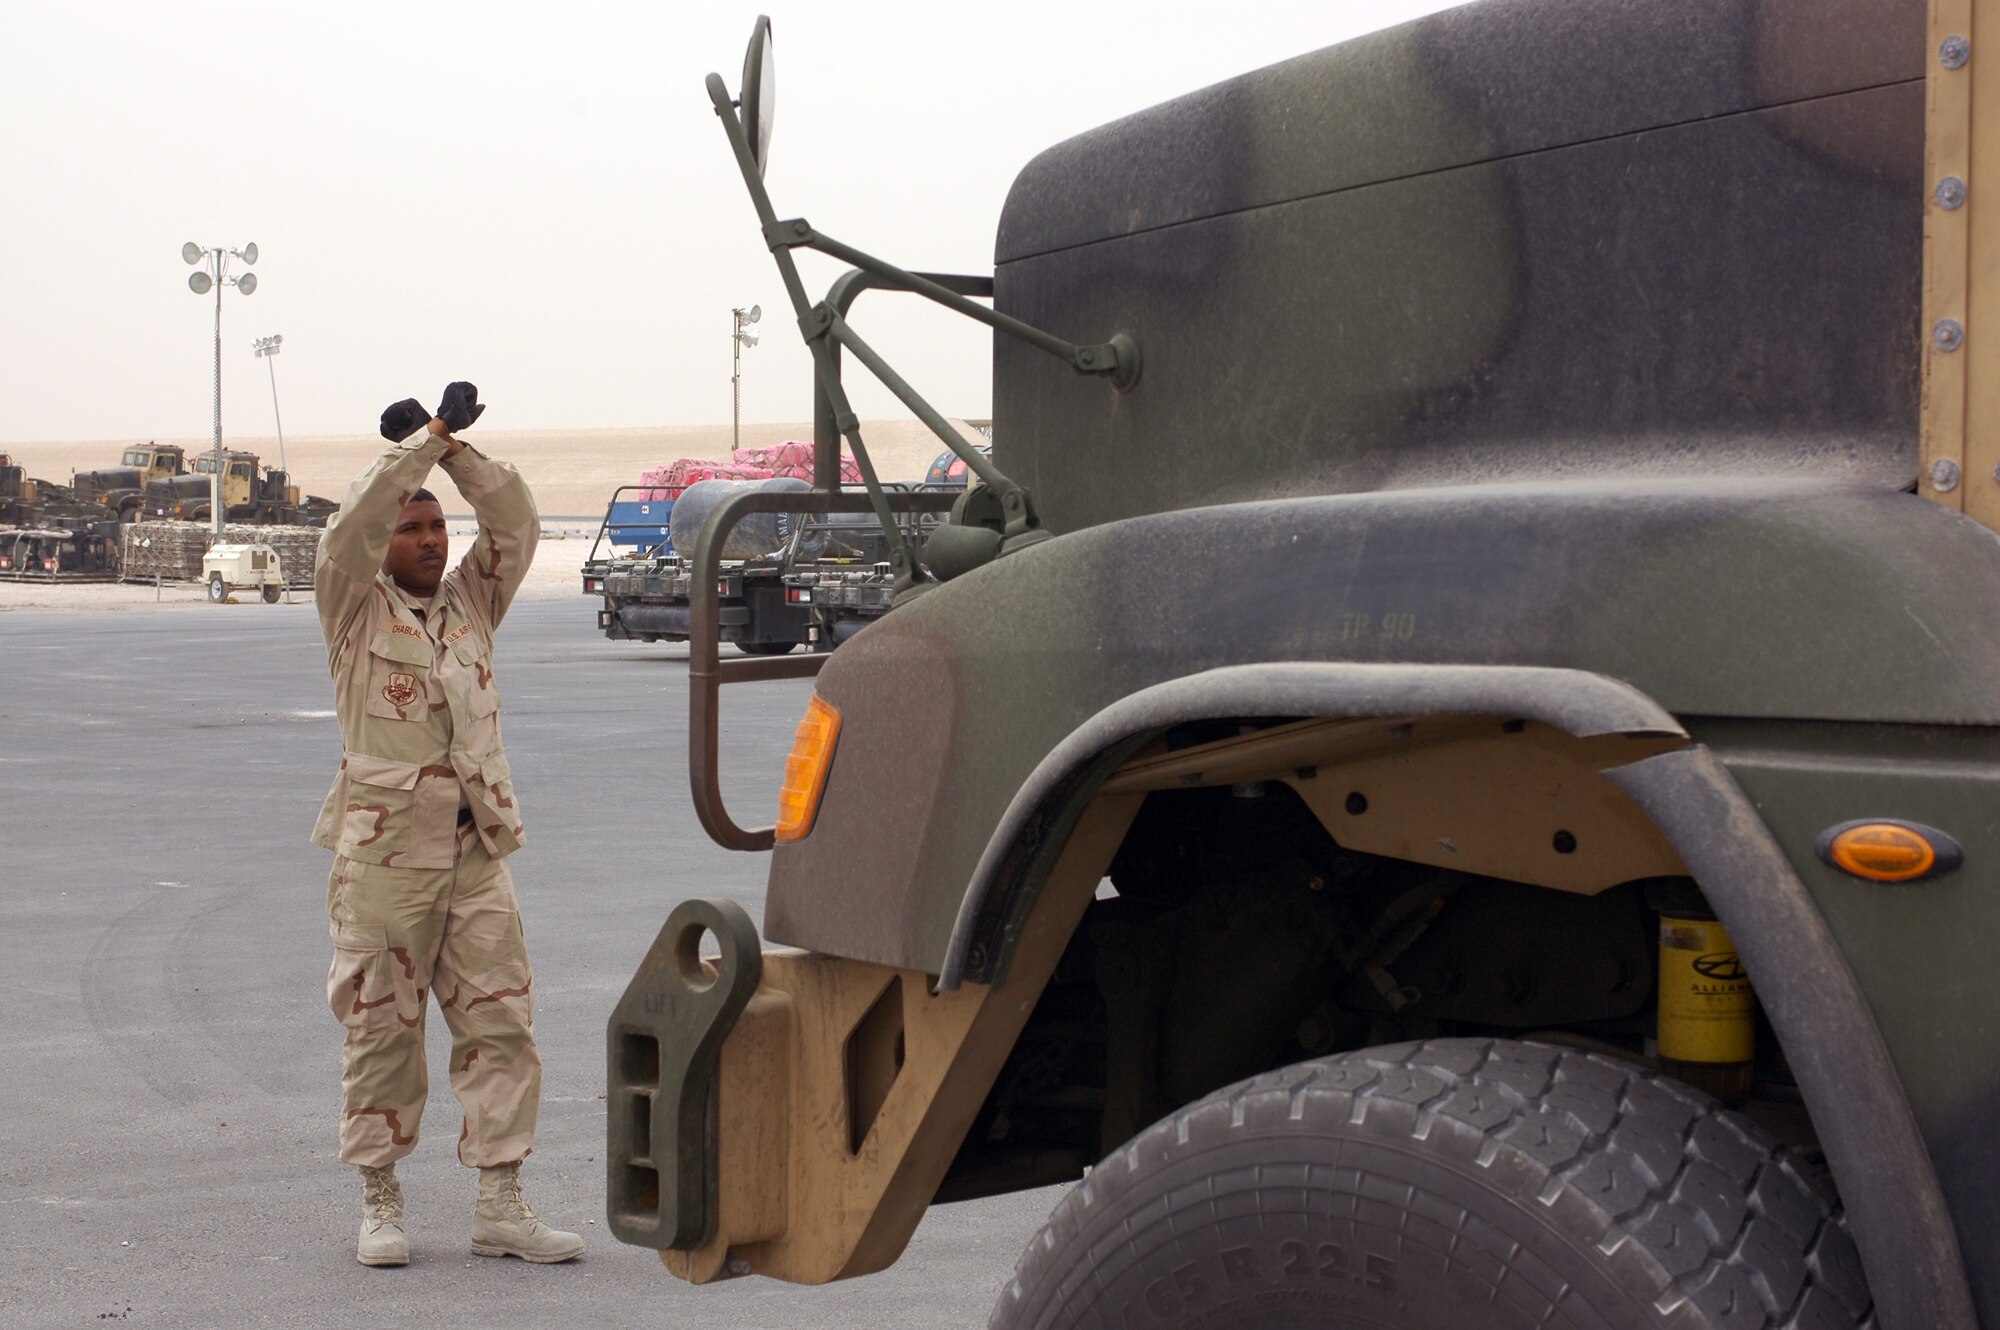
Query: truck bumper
[
  {"x": 778, "y": 1113},
  {"x": 791, "y": 1114}
]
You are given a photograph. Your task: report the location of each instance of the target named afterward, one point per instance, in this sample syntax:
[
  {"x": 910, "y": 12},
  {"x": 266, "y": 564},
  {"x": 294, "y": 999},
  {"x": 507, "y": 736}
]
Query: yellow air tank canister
[{"x": 1708, "y": 1022}]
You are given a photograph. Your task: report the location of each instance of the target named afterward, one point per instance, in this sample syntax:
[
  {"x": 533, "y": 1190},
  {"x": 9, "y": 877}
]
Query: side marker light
[
  {"x": 1879, "y": 850},
  {"x": 806, "y": 768}
]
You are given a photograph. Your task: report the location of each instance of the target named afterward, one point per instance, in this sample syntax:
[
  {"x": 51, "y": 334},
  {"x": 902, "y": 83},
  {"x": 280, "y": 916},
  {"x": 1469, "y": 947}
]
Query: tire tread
[{"x": 1732, "y": 1230}]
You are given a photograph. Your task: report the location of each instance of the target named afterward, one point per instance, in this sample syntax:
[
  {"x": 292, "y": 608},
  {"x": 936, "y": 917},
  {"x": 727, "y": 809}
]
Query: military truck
[
  {"x": 121, "y": 490},
  {"x": 246, "y": 498},
  {"x": 1455, "y": 792}
]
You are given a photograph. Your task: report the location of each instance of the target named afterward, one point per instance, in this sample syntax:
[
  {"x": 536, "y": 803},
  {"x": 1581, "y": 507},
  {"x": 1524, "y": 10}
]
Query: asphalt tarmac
[{"x": 169, "y": 1072}]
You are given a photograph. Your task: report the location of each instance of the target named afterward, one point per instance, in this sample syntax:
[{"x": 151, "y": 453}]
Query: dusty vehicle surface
[{"x": 1531, "y": 869}]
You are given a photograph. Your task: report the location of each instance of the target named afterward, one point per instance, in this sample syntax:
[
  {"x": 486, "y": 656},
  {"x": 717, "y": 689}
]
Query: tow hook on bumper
[
  {"x": 664, "y": 1041},
  {"x": 792, "y": 1114},
  {"x": 787, "y": 1114}
]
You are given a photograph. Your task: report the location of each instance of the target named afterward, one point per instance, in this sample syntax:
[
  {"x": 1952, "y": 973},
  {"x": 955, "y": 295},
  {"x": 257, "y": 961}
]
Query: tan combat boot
[
  {"x": 382, "y": 1239},
  {"x": 503, "y": 1225}
]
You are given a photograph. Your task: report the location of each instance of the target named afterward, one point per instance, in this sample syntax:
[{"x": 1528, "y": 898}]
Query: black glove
[
  {"x": 460, "y": 407},
  {"x": 403, "y": 419}
]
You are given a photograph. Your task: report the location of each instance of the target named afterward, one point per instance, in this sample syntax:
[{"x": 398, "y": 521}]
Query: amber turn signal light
[
  {"x": 805, "y": 769},
  {"x": 1884, "y": 851}
]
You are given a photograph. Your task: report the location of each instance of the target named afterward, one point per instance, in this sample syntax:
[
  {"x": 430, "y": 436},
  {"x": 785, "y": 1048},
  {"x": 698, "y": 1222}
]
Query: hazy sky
[{"x": 533, "y": 196}]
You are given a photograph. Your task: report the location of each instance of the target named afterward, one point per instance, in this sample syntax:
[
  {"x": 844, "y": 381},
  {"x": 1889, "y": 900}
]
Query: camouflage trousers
[{"x": 400, "y": 935}]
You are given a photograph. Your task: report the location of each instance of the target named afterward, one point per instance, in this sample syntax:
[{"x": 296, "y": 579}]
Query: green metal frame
[{"x": 826, "y": 331}]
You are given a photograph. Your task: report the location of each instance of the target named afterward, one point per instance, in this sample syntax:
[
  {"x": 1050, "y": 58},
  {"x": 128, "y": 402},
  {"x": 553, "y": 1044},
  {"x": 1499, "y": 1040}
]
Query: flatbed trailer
[{"x": 65, "y": 553}]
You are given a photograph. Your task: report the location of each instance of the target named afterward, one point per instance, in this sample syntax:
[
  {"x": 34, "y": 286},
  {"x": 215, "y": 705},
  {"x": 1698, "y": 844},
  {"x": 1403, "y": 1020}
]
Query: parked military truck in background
[
  {"x": 121, "y": 490},
  {"x": 272, "y": 499},
  {"x": 154, "y": 481},
  {"x": 1463, "y": 793},
  {"x": 150, "y": 518}
]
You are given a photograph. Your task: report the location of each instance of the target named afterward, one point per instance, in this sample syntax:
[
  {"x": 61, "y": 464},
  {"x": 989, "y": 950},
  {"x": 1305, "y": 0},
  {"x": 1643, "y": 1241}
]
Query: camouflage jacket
[{"x": 419, "y": 713}]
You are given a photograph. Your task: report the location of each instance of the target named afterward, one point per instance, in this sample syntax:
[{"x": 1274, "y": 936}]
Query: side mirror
[{"x": 759, "y": 92}]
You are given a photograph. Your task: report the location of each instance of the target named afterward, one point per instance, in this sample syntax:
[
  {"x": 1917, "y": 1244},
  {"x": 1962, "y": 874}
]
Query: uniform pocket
[
  {"x": 497, "y": 776},
  {"x": 399, "y": 673},
  {"x": 482, "y": 696},
  {"x": 361, "y": 985},
  {"x": 380, "y": 812}
]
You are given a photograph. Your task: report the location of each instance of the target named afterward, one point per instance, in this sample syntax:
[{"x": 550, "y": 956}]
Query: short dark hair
[{"x": 423, "y": 496}]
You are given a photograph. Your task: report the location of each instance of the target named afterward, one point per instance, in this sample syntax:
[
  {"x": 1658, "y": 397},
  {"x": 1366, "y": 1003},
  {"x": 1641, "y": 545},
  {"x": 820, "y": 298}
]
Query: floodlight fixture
[
  {"x": 265, "y": 348},
  {"x": 200, "y": 283},
  {"x": 192, "y": 253}
]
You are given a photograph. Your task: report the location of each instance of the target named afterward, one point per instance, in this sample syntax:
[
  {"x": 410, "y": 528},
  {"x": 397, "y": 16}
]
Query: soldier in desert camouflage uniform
[{"x": 420, "y": 819}]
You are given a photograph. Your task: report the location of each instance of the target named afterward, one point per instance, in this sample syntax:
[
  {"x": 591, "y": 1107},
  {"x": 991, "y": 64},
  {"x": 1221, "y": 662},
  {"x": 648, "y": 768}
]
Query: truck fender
[{"x": 1887, "y": 1181}]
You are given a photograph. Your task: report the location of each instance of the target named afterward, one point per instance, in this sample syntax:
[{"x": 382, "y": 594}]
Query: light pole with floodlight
[
  {"x": 214, "y": 274},
  {"x": 266, "y": 347},
  {"x": 741, "y": 334}
]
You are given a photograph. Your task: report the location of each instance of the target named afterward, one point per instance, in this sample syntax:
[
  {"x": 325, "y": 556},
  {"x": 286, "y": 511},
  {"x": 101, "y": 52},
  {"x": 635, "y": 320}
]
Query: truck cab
[
  {"x": 1446, "y": 763},
  {"x": 239, "y": 476},
  {"x": 245, "y": 497},
  {"x": 154, "y": 461},
  {"x": 121, "y": 489}
]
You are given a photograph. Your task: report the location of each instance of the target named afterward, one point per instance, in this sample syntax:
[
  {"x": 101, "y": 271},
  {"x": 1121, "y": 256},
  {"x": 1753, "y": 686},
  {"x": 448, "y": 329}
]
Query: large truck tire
[{"x": 1443, "y": 1185}]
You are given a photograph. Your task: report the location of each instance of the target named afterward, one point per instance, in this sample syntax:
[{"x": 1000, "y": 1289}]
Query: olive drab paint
[{"x": 1527, "y": 336}]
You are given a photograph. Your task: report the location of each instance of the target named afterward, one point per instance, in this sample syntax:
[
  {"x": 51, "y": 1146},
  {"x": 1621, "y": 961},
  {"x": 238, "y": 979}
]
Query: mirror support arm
[
  {"x": 1118, "y": 358},
  {"x": 841, "y": 297},
  {"x": 1014, "y": 500},
  {"x": 909, "y": 574},
  {"x": 826, "y": 332}
]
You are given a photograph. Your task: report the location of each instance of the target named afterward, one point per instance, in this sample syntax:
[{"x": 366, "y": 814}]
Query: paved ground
[{"x": 168, "y": 1075}]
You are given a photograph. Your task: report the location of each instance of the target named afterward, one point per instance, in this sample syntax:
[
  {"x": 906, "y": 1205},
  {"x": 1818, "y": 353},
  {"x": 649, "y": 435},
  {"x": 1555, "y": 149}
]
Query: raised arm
[
  {"x": 509, "y": 528},
  {"x": 350, "y": 553}
]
